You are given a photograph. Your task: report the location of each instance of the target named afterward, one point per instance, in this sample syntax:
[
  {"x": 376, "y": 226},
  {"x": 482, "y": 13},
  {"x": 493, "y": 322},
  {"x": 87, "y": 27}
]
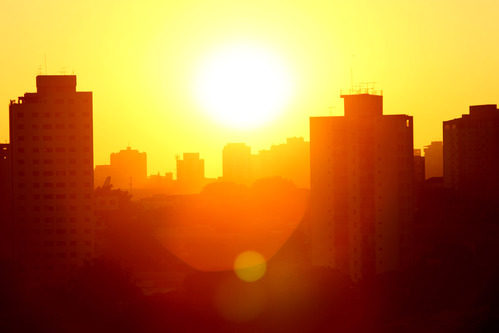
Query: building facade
[
  {"x": 51, "y": 139},
  {"x": 5, "y": 202},
  {"x": 471, "y": 152},
  {"x": 362, "y": 178}
]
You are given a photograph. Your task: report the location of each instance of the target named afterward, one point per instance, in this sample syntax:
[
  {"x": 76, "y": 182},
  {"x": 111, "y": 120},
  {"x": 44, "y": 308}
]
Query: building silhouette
[
  {"x": 5, "y": 202},
  {"x": 362, "y": 171},
  {"x": 237, "y": 163},
  {"x": 128, "y": 170},
  {"x": 434, "y": 160},
  {"x": 190, "y": 173},
  {"x": 419, "y": 167},
  {"x": 471, "y": 153},
  {"x": 290, "y": 160},
  {"x": 51, "y": 144}
]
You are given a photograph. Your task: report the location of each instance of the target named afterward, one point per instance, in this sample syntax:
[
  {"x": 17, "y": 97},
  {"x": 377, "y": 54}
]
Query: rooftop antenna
[
  {"x": 351, "y": 73},
  {"x": 331, "y": 109}
]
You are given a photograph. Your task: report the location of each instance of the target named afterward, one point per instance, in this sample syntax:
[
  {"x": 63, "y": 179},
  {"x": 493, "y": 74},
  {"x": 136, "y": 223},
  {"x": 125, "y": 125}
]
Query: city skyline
[
  {"x": 368, "y": 217},
  {"x": 263, "y": 166},
  {"x": 412, "y": 50}
]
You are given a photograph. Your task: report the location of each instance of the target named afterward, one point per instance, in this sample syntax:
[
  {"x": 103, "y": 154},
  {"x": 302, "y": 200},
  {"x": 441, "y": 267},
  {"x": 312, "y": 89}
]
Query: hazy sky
[{"x": 431, "y": 58}]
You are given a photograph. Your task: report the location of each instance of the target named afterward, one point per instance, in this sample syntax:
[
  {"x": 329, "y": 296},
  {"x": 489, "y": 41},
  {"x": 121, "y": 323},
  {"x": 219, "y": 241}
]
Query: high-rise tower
[
  {"x": 361, "y": 187},
  {"x": 51, "y": 151}
]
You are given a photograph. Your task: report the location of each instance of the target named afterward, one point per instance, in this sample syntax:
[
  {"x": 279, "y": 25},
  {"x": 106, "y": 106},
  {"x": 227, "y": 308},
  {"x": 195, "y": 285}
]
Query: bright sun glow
[{"x": 243, "y": 86}]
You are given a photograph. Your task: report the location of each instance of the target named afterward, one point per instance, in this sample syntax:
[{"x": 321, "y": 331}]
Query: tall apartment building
[
  {"x": 434, "y": 160},
  {"x": 362, "y": 175},
  {"x": 471, "y": 152},
  {"x": 52, "y": 175},
  {"x": 236, "y": 162}
]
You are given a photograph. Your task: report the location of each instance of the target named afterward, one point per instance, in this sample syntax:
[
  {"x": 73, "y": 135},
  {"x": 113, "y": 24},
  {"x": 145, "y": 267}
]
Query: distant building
[
  {"x": 362, "y": 174},
  {"x": 128, "y": 170},
  {"x": 471, "y": 152},
  {"x": 190, "y": 173},
  {"x": 290, "y": 160},
  {"x": 434, "y": 159},
  {"x": 52, "y": 175},
  {"x": 236, "y": 162},
  {"x": 160, "y": 182}
]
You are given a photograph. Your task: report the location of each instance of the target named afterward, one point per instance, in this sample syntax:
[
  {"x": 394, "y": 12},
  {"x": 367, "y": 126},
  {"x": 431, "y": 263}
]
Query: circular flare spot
[{"x": 250, "y": 266}]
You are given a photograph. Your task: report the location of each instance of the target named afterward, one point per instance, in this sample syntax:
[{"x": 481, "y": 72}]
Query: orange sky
[{"x": 431, "y": 58}]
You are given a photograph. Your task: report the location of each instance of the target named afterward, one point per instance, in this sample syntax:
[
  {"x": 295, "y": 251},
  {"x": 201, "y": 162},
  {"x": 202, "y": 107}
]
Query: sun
[{"x": 243, "y": 86}]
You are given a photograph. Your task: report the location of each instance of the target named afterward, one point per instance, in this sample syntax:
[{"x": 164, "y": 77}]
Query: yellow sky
[{"x": 432, "y": 58}]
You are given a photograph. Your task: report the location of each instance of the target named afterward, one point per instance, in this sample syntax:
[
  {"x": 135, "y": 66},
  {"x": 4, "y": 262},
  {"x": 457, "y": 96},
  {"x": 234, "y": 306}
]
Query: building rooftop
[{"x": 55, "y": 83}]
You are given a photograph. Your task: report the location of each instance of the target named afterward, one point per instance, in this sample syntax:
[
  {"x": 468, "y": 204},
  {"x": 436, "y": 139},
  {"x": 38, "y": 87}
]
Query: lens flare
[{"x": 250, "y": 266}]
